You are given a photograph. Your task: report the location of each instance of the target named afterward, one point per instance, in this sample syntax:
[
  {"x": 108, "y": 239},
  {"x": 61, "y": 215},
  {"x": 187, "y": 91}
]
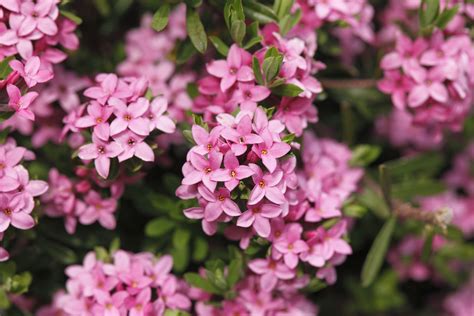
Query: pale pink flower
[{"x": 101, "y": 152}]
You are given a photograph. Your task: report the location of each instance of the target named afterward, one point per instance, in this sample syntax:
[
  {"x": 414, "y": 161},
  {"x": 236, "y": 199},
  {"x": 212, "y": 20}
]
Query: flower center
[
  {"x": 2, "y": 165},
  {"x": 207, "y": 170},
  {"x": 256, "y": 210},
  {"x": 131, "y": 142},
  {"x": 261, "y": 183},
  {"x": 221, "y": 198},
  {"x": 101, "y": 149},
  {"x": 233, "y": 174},
  {"x": 277, "y": 233},
  {"x": 264, "y": 152},
  {"x": 248, "y": 94},
  {"x": 233, "y": 71},
  {"x": 7, "y": 211},
  {"x": 127, "y": 117},
  {"x": 241, "y": 139},
  {"x": 209, "y": 147},
  {"x": 99, "y": 120},
  {"x": 290, "y": 247}
]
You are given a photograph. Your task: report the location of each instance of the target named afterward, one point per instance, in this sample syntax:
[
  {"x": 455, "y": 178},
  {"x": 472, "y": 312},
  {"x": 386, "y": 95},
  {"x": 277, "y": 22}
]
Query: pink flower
[
  {"x": 133, "y": 145},
  {"x": 271, "y": 272},
  {"x": 157, "y": 118},
  {"x": 232, "y": 172},
  {"x": 266, "y": 186},
  {"x": 28, "y": 189},
  {"x": 218, "y": 202},
  {"x": 130, "y": 117},
  {"x": 110, "y": 86},
  {"x": 99, "y": 209},
  {"x": 428, "y": 85},
  {"x": 109, "y": 305},
  {"x": 326, "y": 207},
  {"x": 231, "y": 70},
  {"x": 270, "y": 151},
  {"x": 291, "y": 245},
  {"x": 397, "y": 85},
  {"x": 205, "y": 142},
  {"x": 248, "y": 94},
  {"x": 40, "y": 16},
  {"x": 241, "y": 136},
  {"x": 31, "y": 71},
  {"x": 259, "y": 217},
  {"x": 98, "y": 116},
  {"x": 202, "y": 169},
  {"x": 101, "y": 152},
  {"x": 21, "y": 103},
  {"x": 11, "y": 212}
]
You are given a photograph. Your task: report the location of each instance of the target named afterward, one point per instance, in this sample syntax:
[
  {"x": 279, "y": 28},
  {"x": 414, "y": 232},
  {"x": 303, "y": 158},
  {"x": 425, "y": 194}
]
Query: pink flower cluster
[
  {"x": 232, "y": 86},
  {"x": 252, "y": 299},
  {"x": 17, "y": 191},
  {"x": 32, "y": 30},
  {"x": 148, "y": 57},
  {"x": 461, "y": 303},
  {"x": 120, "y": 119},
  {"x": 81, "y": 199},
  {"x": 431, "y": 79},
  {"x": 131, "y": 284}
]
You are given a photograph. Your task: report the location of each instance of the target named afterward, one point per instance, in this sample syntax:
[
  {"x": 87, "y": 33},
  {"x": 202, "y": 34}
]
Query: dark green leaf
[
  {"x": 5, "y": 69},
  {"x": 20, "y": 283},
  {"x": 200, "y": 250},
  {"x": 364, "y": 154},
  {"x": 71, "y": 16},
  {"x": 195, "y": 30},
  {"x": 446, "y": 16},
  {"x": 259, "y": 12},
  {"x": 287, "y": 90},
  {"x": 160, "y": 18},
  {"x": 220, "y": 46},
  {"x": 417, "y": 187},
  {"x": 377, "y": 252},
  {"x": 4, "y": 301},
  {"x": 234, "y": 272},
  {"x": 184, "y": 52},
  {"x": 237, "y": 31},
  {"x": 271, "y": 67},
  {"x": 196, "y": 280},
  {"x": 257, "y": 72},
  {"x": 159, "y": 227}
]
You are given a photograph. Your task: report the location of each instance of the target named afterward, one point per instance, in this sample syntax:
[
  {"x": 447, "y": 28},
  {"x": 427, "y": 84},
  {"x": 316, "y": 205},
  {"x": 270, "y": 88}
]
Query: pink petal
[
  {"x": 102, "y": 165},
  {"x": 234, "y": 57},
  {"x": 22, "y": 220},
  {"x": 47, "y": 26},
  {"x": 140, "y": 126},
  {"x": 218, "y": 68},
  {"x": 275, "y": 195},
  {"x": 391, "y": 61},
  {"x": 256, "y": 195},
  {"x": 262, "y": 226},
  {"x": 438, "y": 92},
  {"x": 88, "y": 152},
  {"x": 144, "y": 152},
  {"x": 418, "y": 95},
  {"x": 246, "y": 219},
  {"x": 165, "y": 124}
]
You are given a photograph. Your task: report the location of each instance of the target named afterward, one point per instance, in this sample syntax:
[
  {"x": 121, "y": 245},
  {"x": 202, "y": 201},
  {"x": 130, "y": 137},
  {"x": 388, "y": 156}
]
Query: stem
[{"x": 348, "y": 83}]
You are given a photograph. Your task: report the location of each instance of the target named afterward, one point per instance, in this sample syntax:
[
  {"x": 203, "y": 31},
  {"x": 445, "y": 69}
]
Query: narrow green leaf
[
  {"x": 160, "y": 18},
  {"x": 201, "y": 249},
  {"x": 234, "y": 272},
  {"x": 374, "y": 202},
  {"x": 184, "y": 52},
  {"x": 5, "y": 69},
  {"x": 237, "y": 31},
  {"x": 427, "y": 246},
  {"x": 257, "y": 72},
  {"x": 364, "y": 154},
  {"x": 159, "y": 227},
  {"x": 289, "y": 21},
  {"x": 287, "y": 90},
  {"x": 71, "y": 16},
  {"x": 377, "y": 252},
  {"x": 251, "y": 6},
  {"x": 413, "y": 188},
  {"x": 220, "y": 46},
  {"x": 181, "y": 238},
  {"x": 198, "y": 281},
  {"x": 385, "y": 185},
  {"x": 195, "y": 30},
  {"x": 271, "y": 67},
  {"x": 446, "y": 16},
  {"x": 426, "y": 164},
  {"x": 252, "y": 42}
]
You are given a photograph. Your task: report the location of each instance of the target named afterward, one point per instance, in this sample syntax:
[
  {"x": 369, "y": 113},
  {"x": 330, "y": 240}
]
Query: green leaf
[
  {"x": 446, "y": 16},
  {"x": 385, "y": 185},
  {"x": 181, "y": 238},
  {"x": 20, "y": 283},
  {"x": 196, "y": 280},
  {"x": 416, "y": 188},
  {"x": 194, "y": 3},
  {"x": 200, "y": 249},
  {"x": 159, "y": 227},
  {"x": 114, "y": 245},
  {"x": 426, "y": 164},
  {"x": 5, "y": 69},
  {"x": 71, "y": 16},
  {"x": 237, "y": 31},
  {"x": 257, "y": 72},
  {"x": 259, "y": 12},
  {"x": 364, "y": 154},
  {"x": 289, "y": 21},
  {"x": 287, "y": 90},
  {"x": 195, "y": 30},
  {"x": 234, "y": 272},
  {"x": 355, "y": 210},
  {"x": 184, "y": 52},
  {"x": 288, "y": 138},
  {"x": 271, "y": 67},
  {"x": 4, "y": 135},
  {"x": 59, "y": 252},
  {"x": 103, "y": 7},
  {"x": 4, "y": 301},
  {"x": 377, "y": 252},
  {"x": 429, "y": 11},
  {"x": 220, "y": 46},
  {"x": 102, "y": 254},
  {"x": 252, "y": 42},
  {"x": 160, "y": 18},
  {"x": 282, "y": 8}
]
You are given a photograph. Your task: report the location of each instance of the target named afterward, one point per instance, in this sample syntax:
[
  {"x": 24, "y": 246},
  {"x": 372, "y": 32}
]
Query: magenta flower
[
  {"x": 31, "y": 71},
  {"x": 259, "y": 217},
  {"x": 231, "y": 70},
  {"x": 28, "y": 189},
  {"x": 109, "y": 305},
  {"x": 429, "y": 86},
  {"x": 326, "y": 207},
  {"x": 241, "y": 136},
  {"x": 170, "y": 297},
  {"x": 271, "y": 271},
  {"x": 98, "y": 116},
  {"x": 202, "y": 169},
  {"x": 141, "y": 305},
  {"x": 157, "y": 118},
  {"x": 133, "y": 145},
  {"x": 130, "y": 117},
  {"x": 218, "y": 202},
  {"x": 21, "y": 103},
  {"x": 12, "y": 212},
  {"x": 101, "y": 152},
  {"x": 397, "y": 85},
  {"x": 291, "y": 245},
  {"x": 99, "y": 209},
  {"x": 248, "y": 94},
  {"x": 232, "y": 172},
  {"x": 266, "y": 186}
]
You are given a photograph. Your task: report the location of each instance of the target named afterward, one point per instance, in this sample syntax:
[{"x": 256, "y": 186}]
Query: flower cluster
[
  {"x": 30, "y": 33},
  {"x": 148, "y": 57},
  {"x": 131, "y": 284},
  {"x": 232, "y": 84},
  {"x": 460, "y": 303},
  {"x": 120, "y": 119},
  {"x": 17, "y": 191},
  {"x": 431, "y": 79},
  {"x": 81, "y": 199},
  {"x": 252, "y": 299}
]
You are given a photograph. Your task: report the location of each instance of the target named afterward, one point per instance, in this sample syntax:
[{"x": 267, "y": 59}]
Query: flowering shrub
[{"x": 236, "y": 157}]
